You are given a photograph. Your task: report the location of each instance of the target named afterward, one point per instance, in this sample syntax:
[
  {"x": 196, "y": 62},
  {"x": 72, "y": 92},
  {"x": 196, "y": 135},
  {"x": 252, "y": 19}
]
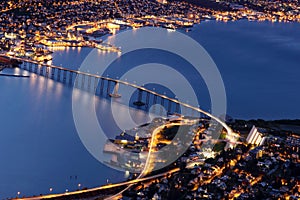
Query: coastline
[{"x": 50, "y": 99}]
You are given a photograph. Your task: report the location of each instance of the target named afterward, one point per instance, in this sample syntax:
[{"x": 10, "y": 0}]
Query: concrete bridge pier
[
  {"x": 89, "y": 82},
  {"x": 162, "y": 101},
  {"x": 96, "y": 81},
  {"x": 140, "y": 95},
  {"x": 82, "y": 81},
  {"x": 139, "y": 101},
  {"x": 76, "y": 79},
  {"x": 169, "y": 106},
  {"x": 22, "y": 65},
  {"x": 64, "y": 76},
  {"x": 30, "y": 67},
  {"x": 27, "y": 66},
  {"x": 35, "y": 68},
  {"x": 70, "y": 78},
  {"x": 47, "y": 71},
  {"x": 154, "y": 99},
  {"x": 115, "y": 93},
  {"x": 58, "y": 74},
  {"x": 177, "y": 108},
  {"x": 52, "y": 73},
  {"x": 147, "y": 98},
  {"x": 162, "y": 105},
  {"x": 101, "y": 86},
  {"x": 42, "y": 70},
  {"x": 108, "y": 87}
]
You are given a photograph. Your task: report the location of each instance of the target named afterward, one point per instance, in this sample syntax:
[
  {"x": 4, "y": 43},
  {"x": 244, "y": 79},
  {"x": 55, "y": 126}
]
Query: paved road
[{"x": 69, "y": 194}]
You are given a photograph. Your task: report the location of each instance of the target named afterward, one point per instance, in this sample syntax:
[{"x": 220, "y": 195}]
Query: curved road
[{"x": 68, "y": 194}]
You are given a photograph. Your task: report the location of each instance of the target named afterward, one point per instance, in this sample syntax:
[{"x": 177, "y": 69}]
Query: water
[
  {"x": 259, "y": 63},
  {"x": 40, "y": 148}
]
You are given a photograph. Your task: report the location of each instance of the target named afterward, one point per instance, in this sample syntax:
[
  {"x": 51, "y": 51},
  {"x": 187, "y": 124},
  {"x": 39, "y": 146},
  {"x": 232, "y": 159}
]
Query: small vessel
[
  {"x": 169, "y": 27},
  {"x": 107, "y": 47}
]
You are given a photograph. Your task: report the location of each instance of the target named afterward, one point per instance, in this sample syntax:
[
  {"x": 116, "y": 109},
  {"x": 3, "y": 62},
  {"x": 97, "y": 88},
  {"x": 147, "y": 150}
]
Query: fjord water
[
  {"x": 260, "y": 66},
  {"x": 40, "y": 148},
  {"x": 258, "y": 61}
]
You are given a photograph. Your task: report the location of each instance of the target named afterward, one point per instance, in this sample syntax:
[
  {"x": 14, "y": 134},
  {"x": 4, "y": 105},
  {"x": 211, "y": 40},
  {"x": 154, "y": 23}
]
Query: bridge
[
  {"x": 109, "y": 87},
  {"x": 105, "y": 86}
]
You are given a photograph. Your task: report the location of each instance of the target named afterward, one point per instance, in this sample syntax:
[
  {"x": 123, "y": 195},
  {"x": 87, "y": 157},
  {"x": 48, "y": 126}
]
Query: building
[
  {"x": 256, "y": 136},
  {"x": 11, "y": 36},
  {"x": 162, "y": 1}
]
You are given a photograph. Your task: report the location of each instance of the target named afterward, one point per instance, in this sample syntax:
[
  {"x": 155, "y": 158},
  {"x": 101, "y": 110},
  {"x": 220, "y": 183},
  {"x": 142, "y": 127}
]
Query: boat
[
  {"x": 169, "y": 27},
  {"x": 107, "y": 47}
]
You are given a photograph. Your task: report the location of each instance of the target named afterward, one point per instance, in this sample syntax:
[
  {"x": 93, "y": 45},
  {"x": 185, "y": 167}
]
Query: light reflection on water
[{"x": 39, "y": 146}]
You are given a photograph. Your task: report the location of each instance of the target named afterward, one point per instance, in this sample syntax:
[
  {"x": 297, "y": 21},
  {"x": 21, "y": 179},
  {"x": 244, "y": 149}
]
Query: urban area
[{"x": 257, "y": 160}]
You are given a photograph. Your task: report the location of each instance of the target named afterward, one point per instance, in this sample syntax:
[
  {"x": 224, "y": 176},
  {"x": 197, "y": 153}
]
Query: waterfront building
[
  {"x": 162, "y": 1},
  {"x": 11, "y": 36},
  {"x": 256, "y": 136}
]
